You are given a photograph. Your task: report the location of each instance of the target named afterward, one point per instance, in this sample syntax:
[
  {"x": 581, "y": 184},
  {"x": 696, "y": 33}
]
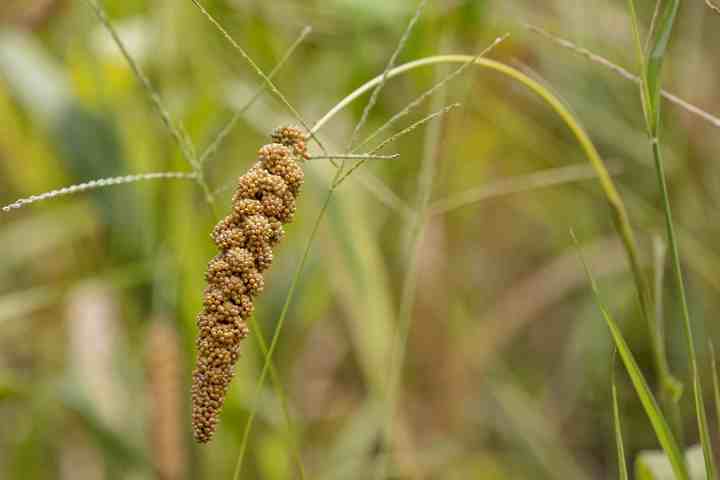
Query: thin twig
[
  {"x": 413, "y": 126},
  {"x": 208, "y": 154},
  {"x": 412, "y": 105},
  {"x": 393, "y": 138},
  {"x": 391, "y": 63},
  {"x": 178, "y": 132},
  {"x": 593, "y": 57},
  {"x": 96, "y": 184},
  {"x": 350, "y": 156},
  {"x": 259, "y": 71}
]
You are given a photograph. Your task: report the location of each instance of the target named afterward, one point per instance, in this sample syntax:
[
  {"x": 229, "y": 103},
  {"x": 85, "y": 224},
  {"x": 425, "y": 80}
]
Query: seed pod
[{"x": 263, "y": 201}]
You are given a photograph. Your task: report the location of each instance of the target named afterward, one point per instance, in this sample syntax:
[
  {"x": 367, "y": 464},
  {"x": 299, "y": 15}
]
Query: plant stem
[{"x": 677, "y": 269}]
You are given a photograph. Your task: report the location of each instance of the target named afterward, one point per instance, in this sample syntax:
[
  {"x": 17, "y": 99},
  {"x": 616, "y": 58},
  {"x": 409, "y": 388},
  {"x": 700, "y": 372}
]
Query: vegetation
[{"x": 501, "y": 265}]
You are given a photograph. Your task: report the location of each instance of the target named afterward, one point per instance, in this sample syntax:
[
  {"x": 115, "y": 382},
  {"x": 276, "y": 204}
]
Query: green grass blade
[
  {"x": 651, "y": 91},
  {"x": 703, "y": 428},
  {"x": 644, "y": 94},
  {"x": 652, "y": 80},
  {"x": 656, "y": 55},
  {"x": 620, "y": 444},
  {"x": 716, "y": 384},
  {"x": 657, "y": 419},
  {"x": 615, "y": 201}
]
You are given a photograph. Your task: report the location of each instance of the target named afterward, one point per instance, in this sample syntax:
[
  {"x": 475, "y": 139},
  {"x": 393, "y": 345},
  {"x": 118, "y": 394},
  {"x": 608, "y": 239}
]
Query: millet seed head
[{"x": 264, "y": 200}]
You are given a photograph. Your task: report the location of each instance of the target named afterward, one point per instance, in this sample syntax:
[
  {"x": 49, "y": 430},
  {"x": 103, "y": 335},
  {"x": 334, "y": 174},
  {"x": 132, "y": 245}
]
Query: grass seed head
[{"x": 263, "y": 201}]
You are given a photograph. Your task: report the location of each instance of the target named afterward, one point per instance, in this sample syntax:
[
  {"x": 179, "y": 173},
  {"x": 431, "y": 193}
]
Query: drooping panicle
[{"x": 263, "y": 201}]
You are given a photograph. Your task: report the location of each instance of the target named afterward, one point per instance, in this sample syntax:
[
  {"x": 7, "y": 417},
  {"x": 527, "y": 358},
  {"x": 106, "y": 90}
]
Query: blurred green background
[{"x": 508, "y": 362}]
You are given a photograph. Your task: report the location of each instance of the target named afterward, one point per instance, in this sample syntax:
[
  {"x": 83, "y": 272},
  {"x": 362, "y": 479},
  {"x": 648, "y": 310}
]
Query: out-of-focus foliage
[{"x": 507, "y": 371}]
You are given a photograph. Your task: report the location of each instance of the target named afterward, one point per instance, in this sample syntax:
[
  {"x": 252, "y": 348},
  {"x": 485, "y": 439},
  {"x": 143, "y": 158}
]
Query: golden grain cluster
[{"x": 263, "y": 202}]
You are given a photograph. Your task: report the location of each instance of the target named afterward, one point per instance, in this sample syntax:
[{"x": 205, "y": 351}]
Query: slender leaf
[
  {"x": 644, "y": 94},
  {"x": 656, "y": 55},
  {"x": 716, "y": 384},
  {"x": 622, "y": 463},
  {"x": 657, "y": 419}
]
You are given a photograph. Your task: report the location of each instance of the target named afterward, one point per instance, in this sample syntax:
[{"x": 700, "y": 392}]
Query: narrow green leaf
[
  {"x": 644, "y": 96},
  {"x": 657, "y": 419},
  {"x": 652, "y": 90},
  {"x": 716, "y": 384},
  {"x": 660, "y": 425},
  {"x": 656, "y": 55},
  {"x": 703, "y": 428},
  {"x": 622, "y": 463}
]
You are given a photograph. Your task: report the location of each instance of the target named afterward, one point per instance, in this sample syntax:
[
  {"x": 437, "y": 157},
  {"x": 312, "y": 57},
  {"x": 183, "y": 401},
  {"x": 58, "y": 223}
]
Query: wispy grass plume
[{"x": 97, "y": 184}]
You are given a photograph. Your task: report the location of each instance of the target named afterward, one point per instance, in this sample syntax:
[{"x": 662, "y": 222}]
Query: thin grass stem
[
  {"x": 212, "y": 149},
  {"x": 395, "y": 137},
  {"x": 177, "y": 131},
  {"x": 354, "y": 156},
  {"x": 600, "y": 60},
  {"x": 257, "y": 70},
  {"x": 407, "y": 299},
  {"x": 651, "y": 67},
  {"x": 391, "y": 63},
  {"x": 283, "y": 397},
  {"x": 620, "y": 217},
  {"x": 278, "y": 329},
  {"x": 426, "y": 94},
  {"x": 98, "y": 184}
]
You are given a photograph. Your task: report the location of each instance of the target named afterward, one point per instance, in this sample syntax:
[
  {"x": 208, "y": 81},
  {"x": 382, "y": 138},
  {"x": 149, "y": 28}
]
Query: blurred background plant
[{"x": 507, "y": 370}]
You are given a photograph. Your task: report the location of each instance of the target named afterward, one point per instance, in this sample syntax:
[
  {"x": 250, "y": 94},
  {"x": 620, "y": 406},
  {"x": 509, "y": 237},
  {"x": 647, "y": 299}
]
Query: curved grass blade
[{"x": 620, "y": 216}]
